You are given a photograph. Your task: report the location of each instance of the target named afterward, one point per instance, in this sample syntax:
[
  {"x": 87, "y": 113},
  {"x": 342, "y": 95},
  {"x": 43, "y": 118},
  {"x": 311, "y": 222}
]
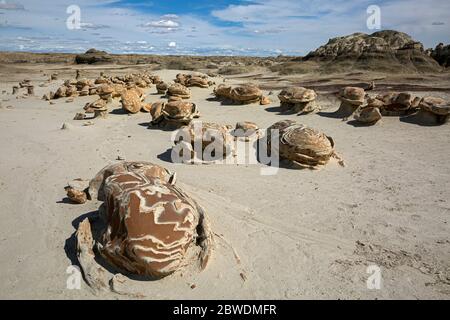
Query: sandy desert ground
[{"x": 299, "y": 234}]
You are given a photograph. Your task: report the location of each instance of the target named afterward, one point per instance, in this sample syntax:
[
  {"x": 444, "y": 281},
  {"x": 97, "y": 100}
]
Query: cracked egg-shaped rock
[
  {"x": 156, "y": 112},
  {"x": 296, "y": 95},
  {"x": 368, "y": 115},
  {"x": 246, "y": 94},
  {"x": 207, "y": 135},
  {"x": 181, "y": 78},
  {"x": 180, "y": 111},
  {"x": 299, "y": 99},
  {"x": 61, "y": 92},
  {"x": 395, "y": 103},
  {"x": 197, "y": 81},
  {"x": 155, "y": 79},
  {"x": 178, "y": 90},
  {"x": 118, "y": 90},
  {"x": 304, "y": 146},
  {"x": 153, "y": 228},
  {"x": 131, "y": 101},
  {"x": 223, "y": 91},
  {"x": 71, "y": 91},
  {"x": 175, "y": 113},
  {"x": 434, "y": 110},
  {"x": 162, "y": 87}
]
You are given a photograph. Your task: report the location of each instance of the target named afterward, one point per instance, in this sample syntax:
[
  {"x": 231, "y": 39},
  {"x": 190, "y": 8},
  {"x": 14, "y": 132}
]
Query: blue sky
[{"x": 229, "y": 27}]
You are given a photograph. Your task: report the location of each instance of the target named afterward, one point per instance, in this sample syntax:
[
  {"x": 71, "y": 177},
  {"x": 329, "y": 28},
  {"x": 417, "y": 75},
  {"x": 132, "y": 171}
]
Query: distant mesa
[
  {"x": 93, "y": 56},
  {"x": 381, "y": 51}
]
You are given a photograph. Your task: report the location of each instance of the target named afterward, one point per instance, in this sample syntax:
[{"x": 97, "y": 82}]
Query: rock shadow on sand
[{"x": 419, "y": 121}]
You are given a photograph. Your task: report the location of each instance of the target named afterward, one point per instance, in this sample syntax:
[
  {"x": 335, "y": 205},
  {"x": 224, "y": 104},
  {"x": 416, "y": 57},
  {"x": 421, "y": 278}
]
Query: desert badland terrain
[{"x": 297, "y": 234}]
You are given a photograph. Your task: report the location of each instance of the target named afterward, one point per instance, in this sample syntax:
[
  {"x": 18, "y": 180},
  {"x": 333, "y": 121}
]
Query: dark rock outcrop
[
  {"x": 93, "y": 56},
  {"x": 441, "y": 54}
]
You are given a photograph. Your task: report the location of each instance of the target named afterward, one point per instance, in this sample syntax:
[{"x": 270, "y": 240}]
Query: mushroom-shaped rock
[
  {"x": 178, "y": 90},
  {"x": 433, "y": 111},
  {"x": 99, "y": 105},
  {"x": 105, "y": 91},
  {"x": 246, "y": 94},
  {"x": 153, "y": 228},
  {"x": 304, "y": 146},
  {"x": 299, "y": 99},
  {"x": 131, "y": 101},
  {"x": 162, "y": 87},
  {"x": 352, "y": 98}
]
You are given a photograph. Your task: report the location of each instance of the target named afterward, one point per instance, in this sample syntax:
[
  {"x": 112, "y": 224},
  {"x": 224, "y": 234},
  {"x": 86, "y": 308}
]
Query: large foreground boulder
[{"x": 153, "y": 228}]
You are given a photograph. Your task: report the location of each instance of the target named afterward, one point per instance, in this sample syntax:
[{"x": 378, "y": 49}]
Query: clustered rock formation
[
  {"x": 369, "y": 110},
  {"x": 24, "y": 84},
  {"x": 129, "y": 88}
]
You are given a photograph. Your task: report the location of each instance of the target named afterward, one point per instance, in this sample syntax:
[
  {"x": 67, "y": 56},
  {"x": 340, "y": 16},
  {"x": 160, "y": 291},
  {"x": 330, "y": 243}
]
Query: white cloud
[
  {"x": 167, "y": 24},
  {"x": 93, "y": 26},
  {"x": 170, "y": 16},
  {"x": 293, "y": 26}
]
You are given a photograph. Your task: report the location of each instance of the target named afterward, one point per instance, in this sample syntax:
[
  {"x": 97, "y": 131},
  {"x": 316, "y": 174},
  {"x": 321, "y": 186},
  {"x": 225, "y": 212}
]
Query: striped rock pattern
[
  {"x": 304, "y": 146},
  {"x": 151, "y": 223}
]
